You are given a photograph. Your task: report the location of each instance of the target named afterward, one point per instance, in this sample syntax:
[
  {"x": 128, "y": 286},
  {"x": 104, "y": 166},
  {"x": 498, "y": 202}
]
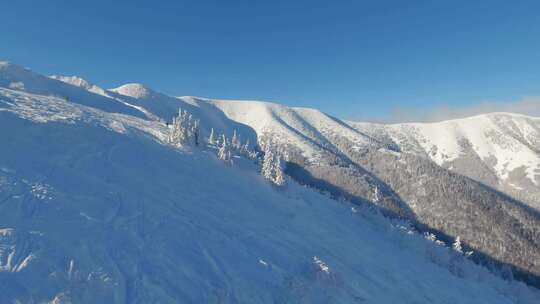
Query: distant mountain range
[{"x": 501, "y": 150}]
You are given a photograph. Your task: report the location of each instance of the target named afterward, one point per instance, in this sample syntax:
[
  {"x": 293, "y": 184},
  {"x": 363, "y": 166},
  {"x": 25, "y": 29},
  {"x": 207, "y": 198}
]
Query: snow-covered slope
[
  {"x": 95, "y": 208},
  {"x": 80, "y": 82},
  {"x": 364, "y": 165},
  {"x": 135, "y": 90},
  {"x": 21, "y": 79},
  {"x": 316, "y": 147},
  {"x": 310, "y": 130},
  {"x": 499, "y": 149}
]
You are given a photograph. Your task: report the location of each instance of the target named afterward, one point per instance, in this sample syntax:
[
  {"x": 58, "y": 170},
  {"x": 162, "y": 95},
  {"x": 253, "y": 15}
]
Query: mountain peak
[
  {"x": 79, "y": 82},
  {"x": 135, "y": 90},
  {"x": 475, "y": 117},
  {"x": 9, "y": 69},
  {"x": 73, "y": 80},
  {"x": 14, "y": 76}
]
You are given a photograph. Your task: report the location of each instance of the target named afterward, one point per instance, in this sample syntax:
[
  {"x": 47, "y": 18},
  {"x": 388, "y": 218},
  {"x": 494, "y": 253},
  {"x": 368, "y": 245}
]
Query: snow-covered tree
[
  {"x": 457, "y": 245},
  {"x": 174, "y": 133},
  {"x": 211, "y": 138},
  {"x": 247, "y": 151},
  {"x": 267, "y": 165},
  {"x": 196, "y": 132},
  {"x": 272, "y": 169},
  {"x": 321, "y": 265},
  {"x": 279, "y": 178},
  {"x": 224, "y": 152},
  {"x": 430, "y": 236},
  {"x": 376, "y": 197},
  {"x": 235, "y": 141},
  {"x": 218, "y": 140},
  {"x": 245, "y": 147},
  {"x": 183, "y": 130}
]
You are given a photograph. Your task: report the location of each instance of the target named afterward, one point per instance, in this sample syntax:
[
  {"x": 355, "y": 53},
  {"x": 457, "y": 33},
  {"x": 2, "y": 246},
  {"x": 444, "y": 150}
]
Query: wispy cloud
[{"x": 527, "y": 105}]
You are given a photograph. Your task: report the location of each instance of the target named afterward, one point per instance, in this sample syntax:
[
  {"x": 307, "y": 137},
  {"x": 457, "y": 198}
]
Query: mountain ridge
[
  {"x": 348, "y": 161},
  {"x": 96, "y": 207},
  {"x": 507, "y": 145}
]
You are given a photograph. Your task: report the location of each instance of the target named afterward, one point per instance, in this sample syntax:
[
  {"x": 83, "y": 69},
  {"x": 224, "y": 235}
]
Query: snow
[
  {"x": 135, "y": 90},
  {"x": 488, "y": 135},
  {"x": 80, "y": 82},
  {"x": 321, "y": 265},
  {"x": 134, "y": 220},
  {"x": 25, "y": 262},
  {"x": 44, "y": 109},
  {"x": 34, "y": 83},
  {"x": 310, "y": 130}
]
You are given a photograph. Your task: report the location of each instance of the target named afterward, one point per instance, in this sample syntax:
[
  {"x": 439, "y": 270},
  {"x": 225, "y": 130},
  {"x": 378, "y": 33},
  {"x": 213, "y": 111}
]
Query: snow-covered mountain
[
  {"x": 329, "y": 154},
  {"x": 310, "y": 130},
  {"x": 362, "y": 165},
  {"x": 21, "y": 79},
  {"x": 501, "y": 150},
  {"x": 79, "y": 82},
  {"x": 97, "y": 207}
]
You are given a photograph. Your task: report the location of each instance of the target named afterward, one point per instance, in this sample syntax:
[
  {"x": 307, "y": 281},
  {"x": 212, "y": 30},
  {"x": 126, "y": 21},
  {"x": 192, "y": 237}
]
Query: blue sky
[{"x": 352, "y": 59}]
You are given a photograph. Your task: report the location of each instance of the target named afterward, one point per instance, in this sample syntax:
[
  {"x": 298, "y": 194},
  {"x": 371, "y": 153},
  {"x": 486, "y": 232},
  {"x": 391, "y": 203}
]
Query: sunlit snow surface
[
  {"x": 511, "y": 140},
  {"x": 307, "y": 129},
  {"x": 95, "y": 208}
]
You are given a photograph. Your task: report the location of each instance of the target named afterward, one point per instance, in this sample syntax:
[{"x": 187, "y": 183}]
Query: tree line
[{"x": 185, "y": 131}]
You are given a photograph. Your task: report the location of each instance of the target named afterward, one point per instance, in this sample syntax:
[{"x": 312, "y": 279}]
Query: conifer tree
[
  {"x": 279, "y": 178},
  {"x": 235, "y": 141},
  {"x": 457, "y": 245},
  {"x": 245, "y": 148},
  {"x": 271, "y": 167},
  {"x": 224, "y": 152},
  {"x": 183, "y": 130},
  {"x": 211, "y": 138},
  {"x": 267, "y": 165}
]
